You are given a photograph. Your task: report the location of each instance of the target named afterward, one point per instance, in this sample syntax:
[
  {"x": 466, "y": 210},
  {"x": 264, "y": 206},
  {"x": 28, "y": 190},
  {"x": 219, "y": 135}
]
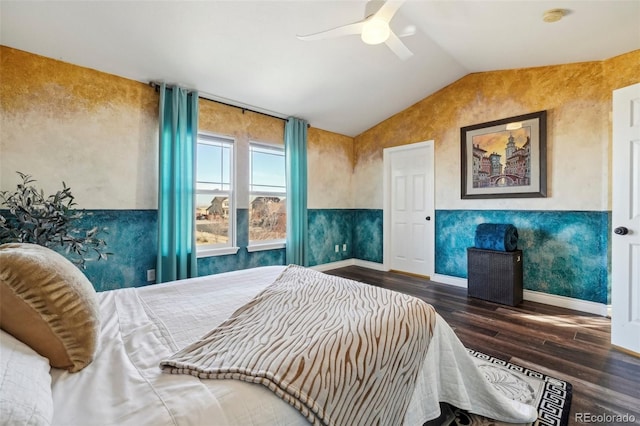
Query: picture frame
[{"x": 505, "y": 158}]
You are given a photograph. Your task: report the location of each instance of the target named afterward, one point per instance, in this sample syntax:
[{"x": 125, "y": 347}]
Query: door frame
[
  {"x": 625, "y": 330},
  {"x": 386, "y": 212}
]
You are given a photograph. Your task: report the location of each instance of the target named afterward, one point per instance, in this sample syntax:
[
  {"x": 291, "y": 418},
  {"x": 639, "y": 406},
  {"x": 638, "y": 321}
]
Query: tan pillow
[{"x": 48, "y": 303}]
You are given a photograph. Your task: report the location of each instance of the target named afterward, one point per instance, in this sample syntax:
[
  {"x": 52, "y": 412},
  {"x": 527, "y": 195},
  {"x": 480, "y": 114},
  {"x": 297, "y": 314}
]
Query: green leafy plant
[{"x": 49, "y": 221}]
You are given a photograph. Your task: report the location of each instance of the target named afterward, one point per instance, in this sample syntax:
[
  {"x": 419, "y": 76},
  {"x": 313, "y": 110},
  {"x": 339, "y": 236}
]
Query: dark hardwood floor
[{"x": 570, "y": 345}]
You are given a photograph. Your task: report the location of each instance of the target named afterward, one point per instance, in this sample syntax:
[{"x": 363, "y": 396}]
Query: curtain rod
[{"x": 156, "y": 86}]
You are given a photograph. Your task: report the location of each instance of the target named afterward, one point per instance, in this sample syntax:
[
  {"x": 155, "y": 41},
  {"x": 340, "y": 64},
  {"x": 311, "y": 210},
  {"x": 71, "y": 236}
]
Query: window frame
[
  {"x": 231, "y": 247},
  {"x": 257, "y": 245}
]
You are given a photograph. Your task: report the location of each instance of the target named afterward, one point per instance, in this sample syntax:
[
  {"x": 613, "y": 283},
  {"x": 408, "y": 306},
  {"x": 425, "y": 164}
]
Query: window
[
  {"x": 267, "y": 196},
  {"x": 215, "y": 211}
]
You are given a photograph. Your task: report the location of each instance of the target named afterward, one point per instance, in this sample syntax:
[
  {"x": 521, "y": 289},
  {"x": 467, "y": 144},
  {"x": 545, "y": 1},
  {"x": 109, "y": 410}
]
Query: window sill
[
  {"x": 266, "y": 246},
  {"x": 221, "y": 251}
]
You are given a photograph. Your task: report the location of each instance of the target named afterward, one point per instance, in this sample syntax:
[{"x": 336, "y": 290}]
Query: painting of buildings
[{"x": 492, "y": 169}]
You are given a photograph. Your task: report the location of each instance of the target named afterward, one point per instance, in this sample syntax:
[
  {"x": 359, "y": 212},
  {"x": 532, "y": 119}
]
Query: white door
[
  {"x": 625, "y": 256},
  {"x": 409, "y": 229}
]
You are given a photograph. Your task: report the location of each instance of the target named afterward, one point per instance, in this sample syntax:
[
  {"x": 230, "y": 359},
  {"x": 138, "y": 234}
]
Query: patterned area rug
[{"x": 552, "y": 396}]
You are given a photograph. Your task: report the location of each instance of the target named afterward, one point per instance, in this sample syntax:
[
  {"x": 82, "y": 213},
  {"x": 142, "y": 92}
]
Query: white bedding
[{"x": 125, "y": 386}]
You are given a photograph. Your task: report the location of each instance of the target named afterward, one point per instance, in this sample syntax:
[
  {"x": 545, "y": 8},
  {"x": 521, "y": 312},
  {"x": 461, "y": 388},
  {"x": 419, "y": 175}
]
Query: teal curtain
[
  {"x": 295, "y": 150},
  {"x": 176, "y": 195}
]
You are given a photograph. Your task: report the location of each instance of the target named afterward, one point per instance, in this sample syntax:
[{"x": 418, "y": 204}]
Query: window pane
[
  {"x": 267, "y": 169},
  {"x": 212, "y": 219},
  {"x": 267, "y": 218},
  {"x": 213, "y": 191},
  {"x": 213, "y": 167},
  {"x": 267, "y": 204}
]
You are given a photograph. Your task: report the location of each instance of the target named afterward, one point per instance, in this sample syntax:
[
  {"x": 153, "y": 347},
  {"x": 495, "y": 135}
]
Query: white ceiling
[{"x": 247, "y": 53}]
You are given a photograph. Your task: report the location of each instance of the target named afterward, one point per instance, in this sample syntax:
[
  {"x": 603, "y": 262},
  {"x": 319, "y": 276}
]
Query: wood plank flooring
[{"x": 570, "y": 345}]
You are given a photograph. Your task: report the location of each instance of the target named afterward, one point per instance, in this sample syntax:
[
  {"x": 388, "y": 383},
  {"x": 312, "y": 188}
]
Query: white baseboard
[
  {"x": 371, "y": 265},
  {"x": 566, "y": 302},
  {"x": 334, "y": 265},
  {"x": 448, "y": 279},
  {"x": 539, "y": 297},
  {"x": 349, "y": 262},
  {"x": 530, "y": 295}
]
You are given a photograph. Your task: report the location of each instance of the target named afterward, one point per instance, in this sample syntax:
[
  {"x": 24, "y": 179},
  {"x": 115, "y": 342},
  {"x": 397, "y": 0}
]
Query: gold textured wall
[
  {"x": 621, "y": 71},
  {"x": 577, "y": 98},
  {"x": 330, "y": 167},
  {"x": 238, "y": 123},
  {"x": 98, "y": 133},
  {"x": 95, "y": 131}
]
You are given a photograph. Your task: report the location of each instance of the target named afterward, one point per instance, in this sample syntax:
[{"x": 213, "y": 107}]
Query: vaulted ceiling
[{"x": 247, "y": 52}]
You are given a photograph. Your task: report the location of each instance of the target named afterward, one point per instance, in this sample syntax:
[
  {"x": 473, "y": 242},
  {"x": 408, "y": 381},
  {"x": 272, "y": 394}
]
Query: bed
[{"x": 140, "y": 328}]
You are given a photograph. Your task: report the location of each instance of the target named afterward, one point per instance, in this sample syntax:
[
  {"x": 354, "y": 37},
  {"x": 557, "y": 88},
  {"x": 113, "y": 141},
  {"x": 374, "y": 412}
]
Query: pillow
[
  {"x": 25, "y": 384},
  {"x": 48, "y": 303}
]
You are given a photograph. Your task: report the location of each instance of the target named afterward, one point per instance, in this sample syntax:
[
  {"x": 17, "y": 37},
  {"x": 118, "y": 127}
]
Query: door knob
[
  {"x": 621, "y": 230},
  {"x": 428, "y": 218}
]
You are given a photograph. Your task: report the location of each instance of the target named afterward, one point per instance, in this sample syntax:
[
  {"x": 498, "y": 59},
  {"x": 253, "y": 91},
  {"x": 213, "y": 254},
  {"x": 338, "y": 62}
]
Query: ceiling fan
[{"x": 373, "y": 29}]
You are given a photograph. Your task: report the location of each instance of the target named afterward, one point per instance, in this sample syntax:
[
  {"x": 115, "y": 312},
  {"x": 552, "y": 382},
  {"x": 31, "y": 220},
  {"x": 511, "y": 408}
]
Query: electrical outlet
[
  {"x": 151, "y": 275},
  {"x": 344, "y": 247},
  {"x": 337, "y": 248}
]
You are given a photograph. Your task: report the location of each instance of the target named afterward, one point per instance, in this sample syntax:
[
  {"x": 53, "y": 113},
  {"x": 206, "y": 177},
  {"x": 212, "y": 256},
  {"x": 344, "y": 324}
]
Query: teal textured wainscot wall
[
  {"x": 132, "y": 238},
  {"x": 565, "y": 252},
  {"x": 360, "y": 229},
  {"x": 131, "y": 235},
  {"x": 328, "y": 228},
  {"x": 367, "y": 234}
]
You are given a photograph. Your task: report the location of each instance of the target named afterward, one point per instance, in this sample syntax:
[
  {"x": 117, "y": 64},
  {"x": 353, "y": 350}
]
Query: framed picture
[{"x": 505, "y": 158}]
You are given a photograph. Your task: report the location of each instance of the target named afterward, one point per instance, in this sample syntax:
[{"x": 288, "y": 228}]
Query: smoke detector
[{"x": 553, "y": 15}]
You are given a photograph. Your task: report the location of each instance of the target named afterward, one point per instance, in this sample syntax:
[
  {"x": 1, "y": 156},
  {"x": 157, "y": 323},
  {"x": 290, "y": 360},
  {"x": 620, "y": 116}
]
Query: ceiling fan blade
[
  {"x": 398, "y": 47},
  {"x": 388, "y": 9},
  {"x": 344, "y": 30}
]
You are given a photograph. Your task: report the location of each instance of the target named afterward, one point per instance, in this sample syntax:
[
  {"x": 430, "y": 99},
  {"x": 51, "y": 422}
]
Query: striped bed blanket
[{"x": 339, "y": 351}]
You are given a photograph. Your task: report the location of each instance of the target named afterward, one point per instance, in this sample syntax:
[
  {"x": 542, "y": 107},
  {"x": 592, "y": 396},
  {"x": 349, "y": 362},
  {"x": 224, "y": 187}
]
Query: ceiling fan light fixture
[
  {"x": 553, "y": 15},
  {"x": 375, "y": 31}
]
